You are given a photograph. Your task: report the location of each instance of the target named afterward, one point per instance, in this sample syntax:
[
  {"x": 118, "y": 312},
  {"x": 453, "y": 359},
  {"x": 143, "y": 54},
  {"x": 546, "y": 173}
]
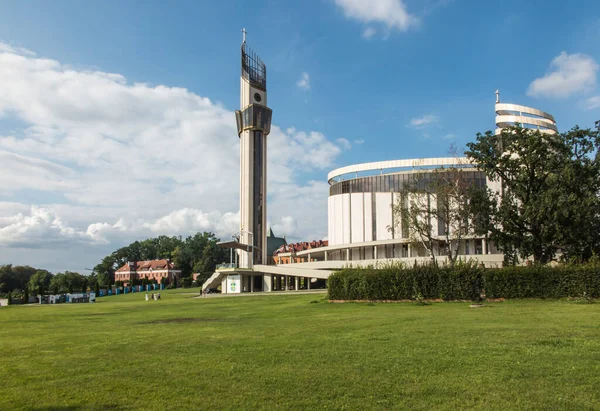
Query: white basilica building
[{"x": 361, "y": 226}]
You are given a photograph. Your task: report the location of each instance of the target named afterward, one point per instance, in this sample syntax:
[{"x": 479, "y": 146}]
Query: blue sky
[{"x": 382, "y": 80}]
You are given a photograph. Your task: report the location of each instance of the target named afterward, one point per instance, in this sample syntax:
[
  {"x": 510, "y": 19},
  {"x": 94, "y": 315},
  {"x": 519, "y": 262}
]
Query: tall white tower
[{"x": 254, "y": 125}]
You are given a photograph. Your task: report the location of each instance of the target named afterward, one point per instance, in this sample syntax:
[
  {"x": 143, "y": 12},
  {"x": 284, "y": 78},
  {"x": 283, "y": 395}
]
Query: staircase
[{"x": 214, "y": 281}]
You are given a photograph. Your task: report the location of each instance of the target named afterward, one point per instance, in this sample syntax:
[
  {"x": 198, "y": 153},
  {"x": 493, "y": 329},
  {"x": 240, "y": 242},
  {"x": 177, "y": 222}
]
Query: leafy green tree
[
  {"x": 547, "y": 198},
  {"x": 435, "y": 210},
  {"x": 26, "y": 296},
  {"x": 39, "y": 282},
  {"x": 14, "y": 277}
]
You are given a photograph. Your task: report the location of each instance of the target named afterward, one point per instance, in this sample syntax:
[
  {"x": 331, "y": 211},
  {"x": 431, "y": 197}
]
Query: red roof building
[
  {"x": 150, "y": 269},
  {"x": 286, "y": 253}
]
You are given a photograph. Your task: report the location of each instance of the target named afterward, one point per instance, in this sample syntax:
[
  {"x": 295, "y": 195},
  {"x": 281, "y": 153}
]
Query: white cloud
[
  {"x": 359, "y": 141},
  {"x": 569, "y": 74},
  {"x": 304, "y": 82},
  {"x": 592, "y": 103},
  {"x": 392, "y": 13},
  {"x": 40, "y": 228},
  {"x": 369, "y": 32},
  {"x": 134, "y": 160},
  {"x": 449, "y": 137},
  {"x": 421, "y": 122},
  {"x": 344, "y": 143}
]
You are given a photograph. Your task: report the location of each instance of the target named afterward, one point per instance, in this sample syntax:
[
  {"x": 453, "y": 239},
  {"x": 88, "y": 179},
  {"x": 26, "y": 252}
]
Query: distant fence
[{"x": 128, "y": 290}]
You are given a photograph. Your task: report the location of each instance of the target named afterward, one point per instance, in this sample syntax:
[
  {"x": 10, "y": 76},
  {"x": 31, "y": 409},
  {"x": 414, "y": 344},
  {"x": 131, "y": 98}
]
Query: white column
[
  {"x": 297, "y": 282},
  {"x": 251, "y": 283},
  {"x": 267, "y": 282},
  {"x": 375, "y": 252},
  {"x": 326, "y": 255},
  {"x": 347, "y": 254},
  {"x": 308, "y": 286}
]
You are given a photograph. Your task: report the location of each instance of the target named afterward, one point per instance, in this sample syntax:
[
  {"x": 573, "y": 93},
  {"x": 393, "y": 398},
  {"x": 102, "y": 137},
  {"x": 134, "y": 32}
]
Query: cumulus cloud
[
  {"x": 421, "y": 122},
  {"x": 391, "y": 13},
  {"x": 304, "y": 82},
  {"x": 132, "y": 160},
  {"x": 38, "y": 228},
  {"x": 569, "y": 74}
]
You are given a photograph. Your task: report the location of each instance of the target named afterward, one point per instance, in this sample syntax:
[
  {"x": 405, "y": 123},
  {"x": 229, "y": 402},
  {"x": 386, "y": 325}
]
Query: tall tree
[
  {"x": 39, "y": 282},
  {"x": 435, "y": 210},
  {"x": 547, "y": 190}
]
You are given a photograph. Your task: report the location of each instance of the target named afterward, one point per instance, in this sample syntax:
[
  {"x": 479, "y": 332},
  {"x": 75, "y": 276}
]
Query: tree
[
  {"x": 58, "y": 284},
  {"x": 547, "y": 190},
  {"x": 14, "y": 277},
  {"x": 105, "y": 271},
  {"x": 39, "y": 282},
  {"x": 435, "y": 210},
  {"x": 26, "y": 296}
]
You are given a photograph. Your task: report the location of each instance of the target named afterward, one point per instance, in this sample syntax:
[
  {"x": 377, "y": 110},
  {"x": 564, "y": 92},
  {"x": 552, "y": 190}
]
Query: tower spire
[
  {"x": 244, "y": 35},
  {"x": 497, "y": 96}
]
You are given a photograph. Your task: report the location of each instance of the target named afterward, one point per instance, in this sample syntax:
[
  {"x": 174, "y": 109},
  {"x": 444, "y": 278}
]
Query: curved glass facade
[{"x": 395, "y": 183}]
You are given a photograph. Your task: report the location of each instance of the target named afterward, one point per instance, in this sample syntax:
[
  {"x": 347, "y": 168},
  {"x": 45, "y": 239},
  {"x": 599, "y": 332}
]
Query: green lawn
[{"x": 298, "y": 352}]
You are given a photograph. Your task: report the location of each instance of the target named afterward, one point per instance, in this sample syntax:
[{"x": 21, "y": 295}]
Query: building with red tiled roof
[
  {"x": 285, "y": 253},
  {"x": 150, "y": 269}
]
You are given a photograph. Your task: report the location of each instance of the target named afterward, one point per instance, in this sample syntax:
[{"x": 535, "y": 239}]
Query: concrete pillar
[
  {"x": 484, "y": 246},
  {"x": 326, "y": 255},
  {"x": 409, "y": 250},
  {"x": 251, "y": 283},
  {"x": 296, "y": 283},
  {"x": 347, "y": 254},
  {"x": 308, "y": 284},
  {"x": 267, "y": 282},
  {"x": 375, "y": 252},
  {"x": 308, "y": 258}
]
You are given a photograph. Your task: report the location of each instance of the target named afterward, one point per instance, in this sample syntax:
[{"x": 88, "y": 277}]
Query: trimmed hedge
[{"x": 465, "y": 281}]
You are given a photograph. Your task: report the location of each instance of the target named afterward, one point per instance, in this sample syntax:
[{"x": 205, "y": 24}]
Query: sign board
[{"x": 234, "y": 284}]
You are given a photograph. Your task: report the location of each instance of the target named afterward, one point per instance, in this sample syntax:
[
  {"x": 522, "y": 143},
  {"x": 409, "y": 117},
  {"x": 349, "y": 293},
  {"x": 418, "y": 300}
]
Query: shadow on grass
[
  {"x": 80, "y": 408},
  {"x": 184, "y": 320}
]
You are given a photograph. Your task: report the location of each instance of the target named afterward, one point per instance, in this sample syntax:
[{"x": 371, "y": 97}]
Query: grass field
[{"x": 298, "y": 352}]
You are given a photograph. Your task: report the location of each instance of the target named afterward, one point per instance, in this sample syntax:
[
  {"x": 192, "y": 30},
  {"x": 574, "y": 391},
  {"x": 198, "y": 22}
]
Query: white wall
[
  {"x": 346, "y": 218},
  {"x": 384, "y": 215},
  {"x": 338, "y": 219},
  {"x": 367, "y": 207},
  {"x": 357, "y": 217},
  {"x": 330, "y": 221}
]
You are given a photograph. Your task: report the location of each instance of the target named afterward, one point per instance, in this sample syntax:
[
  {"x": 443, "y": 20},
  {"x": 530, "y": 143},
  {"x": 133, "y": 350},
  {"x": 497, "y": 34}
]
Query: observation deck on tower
[{"x": 253, "y": 68}]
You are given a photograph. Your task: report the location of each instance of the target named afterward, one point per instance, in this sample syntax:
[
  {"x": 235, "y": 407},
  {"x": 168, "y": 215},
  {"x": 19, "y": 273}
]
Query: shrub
[{"x": 465, "y": 281}]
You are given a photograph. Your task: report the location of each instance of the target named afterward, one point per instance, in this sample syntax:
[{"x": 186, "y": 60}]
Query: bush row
[{"x": 465, "y": 281}]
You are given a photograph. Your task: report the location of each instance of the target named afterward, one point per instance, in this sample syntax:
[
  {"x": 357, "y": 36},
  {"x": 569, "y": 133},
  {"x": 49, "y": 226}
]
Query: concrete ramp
[
  {"x": 214, "y": 281},
  {"x": 289, "y": 269}
]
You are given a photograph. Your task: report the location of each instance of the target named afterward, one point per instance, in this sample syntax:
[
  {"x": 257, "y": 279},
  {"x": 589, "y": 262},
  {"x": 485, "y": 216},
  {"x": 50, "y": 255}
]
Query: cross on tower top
[{"x": 244, "y": 32}]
